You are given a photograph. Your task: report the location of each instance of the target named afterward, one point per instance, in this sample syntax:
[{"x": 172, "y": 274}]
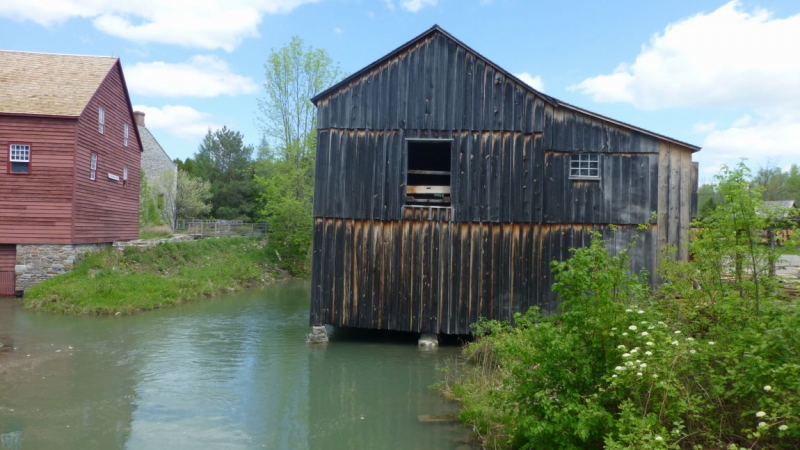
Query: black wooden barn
[{"x": 445, "y": 186}]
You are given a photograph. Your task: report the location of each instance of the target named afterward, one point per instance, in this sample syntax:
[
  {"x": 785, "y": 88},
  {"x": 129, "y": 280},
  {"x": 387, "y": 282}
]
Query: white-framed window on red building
[
  {"x": 125, "y": 172},
  {"x": 93, "y": 167},
  {"x": 101, "y": 120},
  {"x": 125, "y": 135},
  {"x": 19, "y": 158}
]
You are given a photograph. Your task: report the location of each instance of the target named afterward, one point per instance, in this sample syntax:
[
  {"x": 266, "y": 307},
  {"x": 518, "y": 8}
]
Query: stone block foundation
[{"x": 36, "y": 263}]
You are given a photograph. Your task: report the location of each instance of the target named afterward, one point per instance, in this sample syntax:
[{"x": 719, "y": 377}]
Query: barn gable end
[{"x": 402, "y": 246}]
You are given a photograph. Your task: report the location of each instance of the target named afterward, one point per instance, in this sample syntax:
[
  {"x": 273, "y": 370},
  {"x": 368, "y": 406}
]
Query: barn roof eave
[{"x": 692, "y": 147}]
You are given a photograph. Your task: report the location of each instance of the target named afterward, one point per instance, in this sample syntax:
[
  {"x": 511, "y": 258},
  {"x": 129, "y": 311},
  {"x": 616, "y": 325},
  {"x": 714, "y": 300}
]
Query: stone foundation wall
[{"x": 36, "y": 263}]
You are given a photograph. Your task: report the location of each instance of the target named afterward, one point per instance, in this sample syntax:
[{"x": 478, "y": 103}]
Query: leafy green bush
[{"x": 710, "y": 360}]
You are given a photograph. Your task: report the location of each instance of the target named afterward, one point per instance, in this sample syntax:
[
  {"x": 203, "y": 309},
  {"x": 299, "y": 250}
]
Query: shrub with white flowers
[{"x": 625, "y": 368}]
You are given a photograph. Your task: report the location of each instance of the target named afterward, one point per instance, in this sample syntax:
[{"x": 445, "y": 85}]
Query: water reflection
[{"x": 230, "y": 373}]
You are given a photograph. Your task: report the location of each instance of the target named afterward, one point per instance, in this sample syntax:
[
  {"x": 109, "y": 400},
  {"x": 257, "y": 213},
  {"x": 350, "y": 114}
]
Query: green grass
[
  {"x": 153, "y": 235},
  {"x": 141, "y": 279},
  {"x": 155, "y": 231}
]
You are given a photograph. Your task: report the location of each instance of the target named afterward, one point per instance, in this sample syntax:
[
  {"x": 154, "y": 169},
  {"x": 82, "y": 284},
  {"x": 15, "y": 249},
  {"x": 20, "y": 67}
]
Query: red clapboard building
[{"x": 70, "y": 159}]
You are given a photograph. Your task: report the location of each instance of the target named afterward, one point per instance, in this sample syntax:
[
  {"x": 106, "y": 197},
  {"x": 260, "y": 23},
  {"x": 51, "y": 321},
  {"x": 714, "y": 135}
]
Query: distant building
[
  {"x": 446, "y": 186},
  {"x": 781, "y": 208},
  {"x": 784, "y": 217},
  {"x": 156, "y": 163},
  {"x": 72, "y": 158}
]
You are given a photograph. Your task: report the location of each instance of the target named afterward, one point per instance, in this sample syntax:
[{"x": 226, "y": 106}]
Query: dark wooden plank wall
[
  {"x": 497, "y": 177},
  {"x": 500, "y": 133},
  {"x": 426, "y": 273},
  {"x": 380, "y": 264},
  {"x": 35, "y": 208},
  {"x": 107, "y": 210}
]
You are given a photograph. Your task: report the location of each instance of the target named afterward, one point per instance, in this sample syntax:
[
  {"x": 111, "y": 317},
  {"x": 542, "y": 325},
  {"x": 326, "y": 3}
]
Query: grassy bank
[{"x": 141, "y": 279}]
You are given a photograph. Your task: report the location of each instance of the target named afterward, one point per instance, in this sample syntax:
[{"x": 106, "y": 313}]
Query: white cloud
[
  {"x": 534, "y": 82},
  {"x": 705, "y": 127},
  {"x": 200, "y": 76},
  {"x": 207, "y": 24},
  {"x": 767, "y": 137},
  {"x": 181, "y": 121},
  {"x": 337, "y": 30},
  {"x": 416, "y": 5},
  {"x": 728, "y": 57}
]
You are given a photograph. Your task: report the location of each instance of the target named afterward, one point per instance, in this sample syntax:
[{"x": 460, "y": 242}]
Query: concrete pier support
[
  {"x": 318, "y": 335},
  {"x": 428, "y": 341}
]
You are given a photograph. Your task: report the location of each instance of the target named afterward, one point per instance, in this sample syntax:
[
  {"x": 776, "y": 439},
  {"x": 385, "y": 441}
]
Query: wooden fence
[{"x": 217, "y": 228}]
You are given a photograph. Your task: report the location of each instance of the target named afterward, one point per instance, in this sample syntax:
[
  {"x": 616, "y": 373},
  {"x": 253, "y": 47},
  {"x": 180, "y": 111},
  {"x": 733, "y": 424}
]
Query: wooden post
[{"x": 771, "y": 237}]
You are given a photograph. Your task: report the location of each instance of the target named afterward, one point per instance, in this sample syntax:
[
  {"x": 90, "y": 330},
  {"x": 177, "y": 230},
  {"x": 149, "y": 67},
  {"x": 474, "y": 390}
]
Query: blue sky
[{"x": 722, "y": 75}]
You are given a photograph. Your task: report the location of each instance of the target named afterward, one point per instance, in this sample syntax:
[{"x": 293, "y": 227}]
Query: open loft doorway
[{"x": 428, "y": 174}]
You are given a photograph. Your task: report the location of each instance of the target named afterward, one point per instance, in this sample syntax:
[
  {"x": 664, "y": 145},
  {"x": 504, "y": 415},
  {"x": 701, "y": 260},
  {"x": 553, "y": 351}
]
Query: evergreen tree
[{"x": 226, "y": 163}]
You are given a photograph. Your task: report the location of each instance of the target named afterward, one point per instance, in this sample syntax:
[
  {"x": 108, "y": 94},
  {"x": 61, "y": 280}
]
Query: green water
[{"x": 228, "y": 373}]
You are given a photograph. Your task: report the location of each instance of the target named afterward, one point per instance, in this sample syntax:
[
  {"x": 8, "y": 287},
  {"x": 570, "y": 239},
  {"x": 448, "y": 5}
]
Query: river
[{"x": 227, "y": 373}]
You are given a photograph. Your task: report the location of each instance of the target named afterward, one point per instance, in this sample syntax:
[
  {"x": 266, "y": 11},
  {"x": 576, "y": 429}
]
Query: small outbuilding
[{"x": 445, "y": 187}]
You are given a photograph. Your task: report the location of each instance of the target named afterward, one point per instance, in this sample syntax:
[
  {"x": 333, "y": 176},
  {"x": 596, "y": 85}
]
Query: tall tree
[
  {"x": 793, "y": 183},
  {"x": 707, "y": 193},
  {"x": 285, "y": 166},
  {"x": 192, "y": 197},
  {"x": 226, "y": 163},
  {"x": 773, "y": 181},
  {"x": 292, "y": 75}
]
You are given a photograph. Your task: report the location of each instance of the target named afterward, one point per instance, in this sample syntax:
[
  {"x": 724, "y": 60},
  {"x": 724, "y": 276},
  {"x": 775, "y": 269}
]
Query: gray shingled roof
[{"x": 781, "y": 203}]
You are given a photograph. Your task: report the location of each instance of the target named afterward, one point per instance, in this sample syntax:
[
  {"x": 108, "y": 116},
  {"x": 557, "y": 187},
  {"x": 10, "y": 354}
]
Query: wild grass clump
[
  {"x": 141, "y": 279},
  {"x": 155, "y": 231},
  {"x": 710, "y": 360}
]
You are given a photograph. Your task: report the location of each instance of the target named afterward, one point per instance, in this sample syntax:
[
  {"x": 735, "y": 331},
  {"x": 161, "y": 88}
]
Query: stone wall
[
  {"x": 121, "y": 245},
  {"x": 36, "y": 263}
]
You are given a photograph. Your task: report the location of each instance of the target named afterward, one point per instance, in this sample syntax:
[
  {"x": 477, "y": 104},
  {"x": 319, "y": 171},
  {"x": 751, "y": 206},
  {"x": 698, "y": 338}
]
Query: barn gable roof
[
  {"x": 50, "y": 84},
  {"x": 436, "y": 29}
]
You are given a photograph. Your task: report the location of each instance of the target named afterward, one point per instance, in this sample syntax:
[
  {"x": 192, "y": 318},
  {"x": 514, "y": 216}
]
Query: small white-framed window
[
  {"x": 101, "y": 120},
  {"x": 19, "y": 158},
  {"x": 125, "y": 173},
  {"x": 125, "y": 135},
  {"x": 93, "y": 167},
  {"x": 584, "y": 166}
]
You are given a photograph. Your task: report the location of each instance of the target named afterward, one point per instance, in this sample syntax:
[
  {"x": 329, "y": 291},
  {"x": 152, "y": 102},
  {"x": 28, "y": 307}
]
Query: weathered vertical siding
[
  {"x": 514, "y": 209},
  {"x": 426, "y": 273},
  {"x": 677, "y": 183}
]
